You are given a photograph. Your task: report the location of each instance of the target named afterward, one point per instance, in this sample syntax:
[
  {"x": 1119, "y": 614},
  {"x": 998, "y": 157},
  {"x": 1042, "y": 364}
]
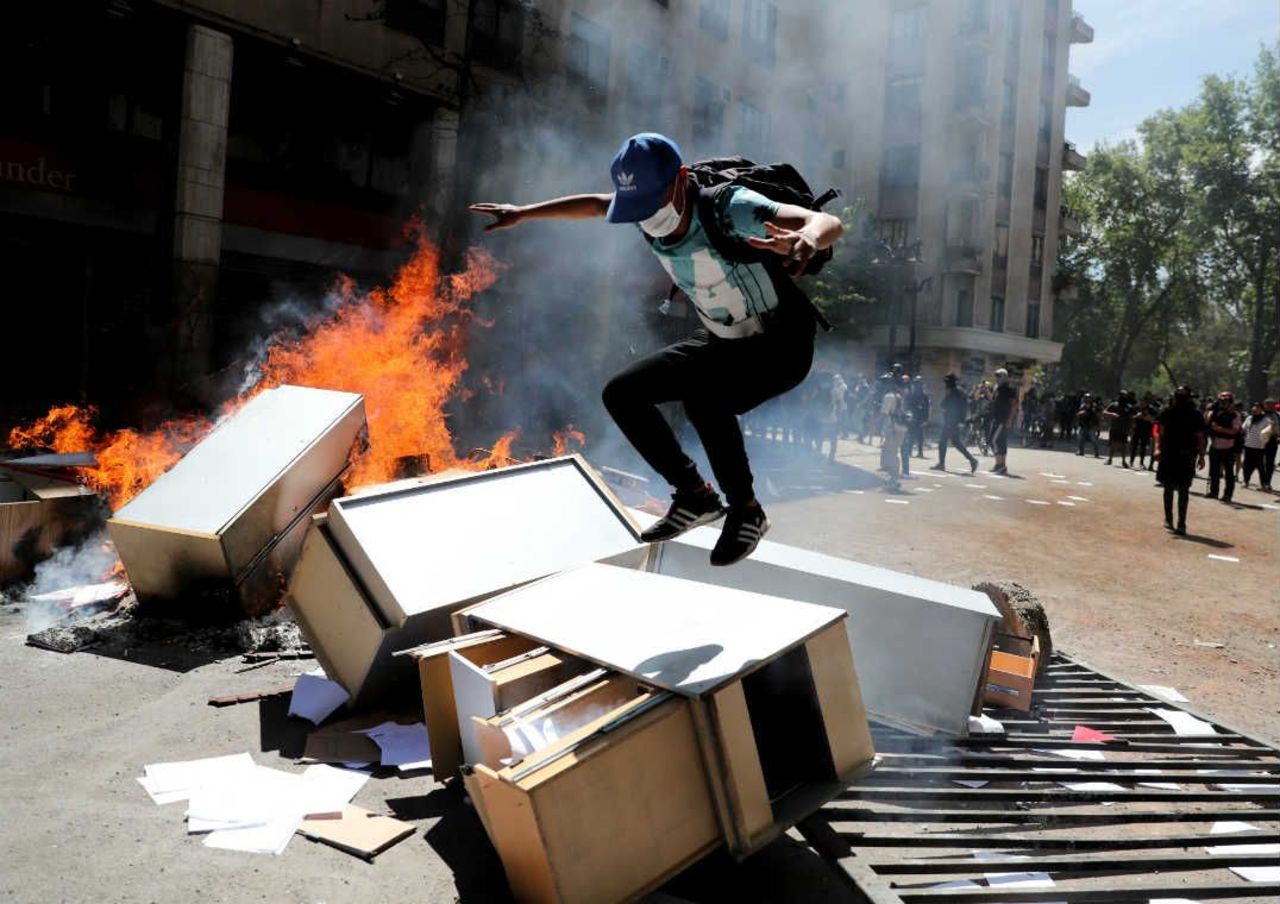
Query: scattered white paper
[
  {"x": 1077, "y": 499},
  {"x": 976, "y": 486},
  {"x": 897, "y": 502},
  {"x": 1184, "y": 724},
  {"x": 1172, "y": 694},
  {"x": 1160, "y": 786},
  {"x": 271, "y": 838},
  {"x": 1067, "y": 504},
  {"x": 957, "y": 883},
  {"x": 1019, "y": 880},
  {"x": 175, "y": 781},
  {"x": 924, "y": 490},
  {"x": 1218, "y": 558},
  {"x": 1037, "y": 502},
  {"x": 984, "y": 724},
  {"x": 1060, "y": 481},
  {"x": 315, "y": 699},
  {"x": 1083, "y": 483},
  {"x": 1072, "y": 754},
  {"x": 1230, "y": 827},
  {"x": 995, "y": 498},
  {"x": 971, "y": 782},
  {"x": 402, "y": 745},
  {"x": 1171, "y": 901},
  {"x": 1258, "y": 873}
]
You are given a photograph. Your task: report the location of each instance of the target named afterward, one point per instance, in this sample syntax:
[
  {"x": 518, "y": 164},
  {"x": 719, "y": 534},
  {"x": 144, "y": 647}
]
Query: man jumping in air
[{"x": 757, "y": 336}]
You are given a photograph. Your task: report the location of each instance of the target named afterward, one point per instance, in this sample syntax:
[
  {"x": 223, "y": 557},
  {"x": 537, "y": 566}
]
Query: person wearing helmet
[
  {"x": 1004, "y": 413},
  {"x": 955, "y": 408},
  {"x": 1087, "y": 420},
  {"x": 1224, "y": 426},
  {"x": 1119, "y": 417}
]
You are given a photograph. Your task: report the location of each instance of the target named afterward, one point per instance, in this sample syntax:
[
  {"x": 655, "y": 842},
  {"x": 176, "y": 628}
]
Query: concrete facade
[{"x": 959, "y": 145}]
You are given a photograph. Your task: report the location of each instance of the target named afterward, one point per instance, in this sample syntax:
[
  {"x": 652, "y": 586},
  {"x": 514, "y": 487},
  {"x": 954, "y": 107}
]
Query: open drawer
[{"x": 481, "y": 674}]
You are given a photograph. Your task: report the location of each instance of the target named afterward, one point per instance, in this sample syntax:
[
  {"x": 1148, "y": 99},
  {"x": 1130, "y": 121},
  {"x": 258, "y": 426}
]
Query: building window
[
  {"x": 902, "y": 166},
  {"x": 997, "y": 314},
  {"x": 1049, "y": 57},
  {"x": 1009, "y": 110},
  {"x": 424, "y": 19},
  {"x": 1013, "y": 27},
  {"x": 1037, "y": 251},
  {"x": 975, "y": 19},
  {"x": 1042, "y": 187},
  {"x": 1006, "y": 174},
  {"x": 1000, "y": 255},
  {"x": 895, "y": 232},
  {"x": 647, "y": 73},
  {"x": 589, "y": 53},
  {"x": 964, "y": 307},
  {"x": 902, "y": 99},
  {"x": 971, "y": 81},
  {"x": 908, "y": 27},
  {"x": 838, "y": 159},
  {"x": 663, "y": 3},
  {"x": 759, "y": 25},
  {"x": 1033, "y": 320},
  {"x": 497, "y": 30},
  {"x": 713, "y": 16},
  {"x": 708, "y": 114},
  {"x": 753, "y": 129},
  {"x": 1046, "y": 121}
]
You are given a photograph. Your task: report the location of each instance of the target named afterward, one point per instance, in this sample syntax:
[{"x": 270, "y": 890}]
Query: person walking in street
[
  {"x": 757, "y": 334},
  {"x": 1224, "y": 426},
  {"x": 893, "y": 421},
  {"x": 1257, "y": 432},
  {"x": 1180, "y": 449},
  {"x": 1273, "y": 444},
  {"x": 1140, "y": 441},
  {"x": 918, "y": 405},
  {"x": 1119, "y": 417},
  {"x": 1004, "y": 413},
  {"x": 955, "y": 409},
  {"x": 1087, "y": 419}
]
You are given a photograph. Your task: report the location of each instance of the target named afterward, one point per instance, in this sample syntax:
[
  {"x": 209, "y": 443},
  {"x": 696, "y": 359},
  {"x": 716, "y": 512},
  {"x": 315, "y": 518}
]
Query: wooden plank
[
  {"x": 1091, "y": 863},
  {"x": 1064, "y": 794},
  {"x": 840, "y": 700},
  {"x": 1110, "y": 843},
  {"x": 851, "y": 811},
  {"x": 744, "y": 778},
  {"x": 1260, "y": 890}
]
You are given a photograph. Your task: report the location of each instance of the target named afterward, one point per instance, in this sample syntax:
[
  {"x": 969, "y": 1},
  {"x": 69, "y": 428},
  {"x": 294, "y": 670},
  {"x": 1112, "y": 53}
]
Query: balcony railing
[
  {"x": 1071, "y": 158},
  {"x": 1081, "y": 31},
  {"x": 963, "y": 257},
  {"x": 1068, "y": 221},
  {"x": 1076, "y": 95}
]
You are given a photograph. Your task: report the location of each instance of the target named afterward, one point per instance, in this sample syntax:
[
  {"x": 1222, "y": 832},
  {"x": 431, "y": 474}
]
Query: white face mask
[{"x": 662, "y": 223}]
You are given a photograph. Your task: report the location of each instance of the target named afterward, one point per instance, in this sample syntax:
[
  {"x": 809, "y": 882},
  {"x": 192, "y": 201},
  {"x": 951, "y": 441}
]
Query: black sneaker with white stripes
[
  {"x": 743, "y": 529},
  {"x": 688, "y": 510}
]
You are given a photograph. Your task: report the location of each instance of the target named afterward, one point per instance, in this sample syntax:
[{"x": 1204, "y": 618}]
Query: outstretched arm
[
  {"x": 570, "y": 207},
  {"x": 798, "y": 233}
]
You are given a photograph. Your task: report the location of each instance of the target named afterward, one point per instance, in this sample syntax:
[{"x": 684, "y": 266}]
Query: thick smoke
[{"x": 89, "y": 562}]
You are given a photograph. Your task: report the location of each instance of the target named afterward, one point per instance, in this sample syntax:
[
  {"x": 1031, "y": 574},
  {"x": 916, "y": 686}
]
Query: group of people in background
[{"x": 1182, "y": 432}]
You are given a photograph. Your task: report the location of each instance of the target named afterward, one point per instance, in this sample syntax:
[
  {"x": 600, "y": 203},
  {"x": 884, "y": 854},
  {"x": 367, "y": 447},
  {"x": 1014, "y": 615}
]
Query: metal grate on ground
[{"x": 910, "y": 827}]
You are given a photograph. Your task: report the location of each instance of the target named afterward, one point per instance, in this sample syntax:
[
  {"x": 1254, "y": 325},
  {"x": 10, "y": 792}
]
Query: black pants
[
  {"x": 1140, "y": 445},
  {"x": 915, "y": 437},
  {"x": 1087, "y": 435},
  {"x": 951, "y": 434},
  {"x": 1222, "y": 465},
  {"x": 1184, "y": 495},
  {"x": 716, "y": 380},
  {"x": 1255, "y": 460}
]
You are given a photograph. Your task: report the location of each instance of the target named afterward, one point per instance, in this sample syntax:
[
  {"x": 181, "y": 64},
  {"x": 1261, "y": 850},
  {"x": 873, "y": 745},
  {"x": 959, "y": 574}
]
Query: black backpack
[{"x": 779, "y": 182}]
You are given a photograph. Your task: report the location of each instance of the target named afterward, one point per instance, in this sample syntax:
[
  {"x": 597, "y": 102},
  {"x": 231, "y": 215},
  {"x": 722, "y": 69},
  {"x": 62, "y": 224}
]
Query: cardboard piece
[
  {"x": 357, "y": 831},
  {"x": 920, "y": 645},
  {"x": 441, "y": 543},
  {"x": 1011, "y": 674},
  {"x": 36, "y": 515},
  {"x": 233, "y": 511}
]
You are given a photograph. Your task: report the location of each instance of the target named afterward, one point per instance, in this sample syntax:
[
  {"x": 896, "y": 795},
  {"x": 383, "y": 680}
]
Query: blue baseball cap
[{"x": 642, "y": 171}]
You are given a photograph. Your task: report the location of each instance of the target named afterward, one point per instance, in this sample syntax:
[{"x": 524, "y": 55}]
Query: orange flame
[
  {"x": 564, "y": 441},
  {"x": 401, "y": 347}
]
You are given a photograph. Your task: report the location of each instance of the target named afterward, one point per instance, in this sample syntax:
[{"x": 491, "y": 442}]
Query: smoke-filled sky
[{"x": 1148, "y": 55}]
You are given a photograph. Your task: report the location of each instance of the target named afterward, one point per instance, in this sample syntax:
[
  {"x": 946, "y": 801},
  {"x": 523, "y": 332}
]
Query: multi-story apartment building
[{"x": 958, "y": 146}]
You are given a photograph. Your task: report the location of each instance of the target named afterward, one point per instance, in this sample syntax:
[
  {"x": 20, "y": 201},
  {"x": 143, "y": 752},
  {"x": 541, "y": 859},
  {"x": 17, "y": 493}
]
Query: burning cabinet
[
  {"x": 233, "y": 512},
  {"x": 387, "y": 568},
  {"x": 715, "y": 717},
  {"x": 37, "y": 514}
]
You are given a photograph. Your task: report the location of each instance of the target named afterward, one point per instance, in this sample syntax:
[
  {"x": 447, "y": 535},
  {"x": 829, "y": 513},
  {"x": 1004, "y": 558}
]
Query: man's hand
[
  {"x": 504, "y": 216},
  {"x": 1200, "y": 462},
  {"x": 797, "y": 246}
]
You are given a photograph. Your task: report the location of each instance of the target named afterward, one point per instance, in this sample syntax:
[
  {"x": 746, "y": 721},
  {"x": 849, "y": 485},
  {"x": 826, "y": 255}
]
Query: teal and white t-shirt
[{"x": 728, "y": 297}]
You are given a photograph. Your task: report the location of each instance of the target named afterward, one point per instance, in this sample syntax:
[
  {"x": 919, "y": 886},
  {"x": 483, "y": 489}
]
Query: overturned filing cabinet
[
  {"x": 920, "y": 645},
  {"x": 716, "y": 716},
  {"x": 232, "y": 513},
  {"x": 385, "y": 570}
]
